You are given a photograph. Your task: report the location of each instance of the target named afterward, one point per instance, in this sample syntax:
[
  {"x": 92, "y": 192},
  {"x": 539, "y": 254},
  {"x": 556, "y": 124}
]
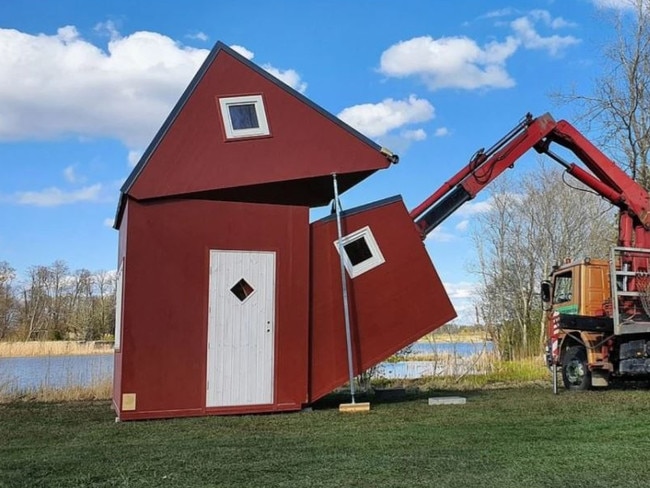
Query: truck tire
[{"x": 575, "y": 372}]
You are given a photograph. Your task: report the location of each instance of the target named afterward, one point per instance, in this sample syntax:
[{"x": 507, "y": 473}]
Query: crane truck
[{"x": 596, "y": 311}]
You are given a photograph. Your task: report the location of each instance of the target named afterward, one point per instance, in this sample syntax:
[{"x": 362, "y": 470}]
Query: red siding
[
  {"x": 166, "y": 299},
  {"x": 392, "y": 305},
  {"x": 194, "y": 156}
]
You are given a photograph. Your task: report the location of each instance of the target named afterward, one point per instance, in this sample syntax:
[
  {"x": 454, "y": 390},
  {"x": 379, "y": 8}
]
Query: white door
[{"x": 241, "y": 328}]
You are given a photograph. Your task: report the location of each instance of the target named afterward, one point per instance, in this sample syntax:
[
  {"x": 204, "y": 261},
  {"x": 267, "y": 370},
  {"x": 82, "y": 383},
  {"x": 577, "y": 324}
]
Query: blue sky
[{"x": 85, "y": 85}]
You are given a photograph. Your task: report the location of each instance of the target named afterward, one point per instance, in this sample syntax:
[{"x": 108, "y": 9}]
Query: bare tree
[
  {"x": 58, "y": 287},
  {"x": 55, "y": 303},
  {"x": 619, "y": 107},
  {"x": 35, "y": 301},
  {"x": 532, "y": 225},
  {"x": 79, "y": 323},
  {"x": 105, "y": 283},
  {"x": 8, "y": 302}
]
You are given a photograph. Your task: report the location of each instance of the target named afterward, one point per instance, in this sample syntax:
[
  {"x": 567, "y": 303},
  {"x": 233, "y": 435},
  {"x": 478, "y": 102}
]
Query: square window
[
  {"x": 244, "y": 116},
  {"x": 360, "y": 252},
  {"x": 357, "y": 251}
]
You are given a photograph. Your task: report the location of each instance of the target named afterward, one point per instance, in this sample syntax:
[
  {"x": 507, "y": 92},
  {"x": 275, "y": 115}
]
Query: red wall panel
[
  {"x": 166, "y": 298},
  {"x": 391, "y": 305}
]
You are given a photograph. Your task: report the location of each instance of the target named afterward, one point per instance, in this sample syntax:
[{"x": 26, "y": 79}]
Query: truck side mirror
[{"x": 546, "y": 295}]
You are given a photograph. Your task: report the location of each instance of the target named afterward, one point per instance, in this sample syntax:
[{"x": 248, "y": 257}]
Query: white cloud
[
  {"x": 461, "y": 62},
  {"x": 463, "y": 289},
  {"x": 552, "y": 22},
  {"x": 525, "y": 30},
  {"x": 133, "y": 158},
  {"x": 199, "y": 36},
  {"x": 504, "y": 12},
  {"x": 108, "y": 28},
  {"x": 473, "y": 207},
  {"x": 380, "y": 118},
  {"x": 463, "y": 297},
  {"x": 439, "y": 234},
  {"x": 243, "y": 51},
  {"x": 69, "y": 86},
  {"x": 462, "y": 225},
  {"x": 53, "y": 197},
  {"x": 288, "y": 76},
  {"x": 414, "y": 135},
  {"x": 450, "y": 62},
  {"x": 109, "y": 221},
  {"x": 70, "y": 175},
  {"x": 441, "y": 132}
]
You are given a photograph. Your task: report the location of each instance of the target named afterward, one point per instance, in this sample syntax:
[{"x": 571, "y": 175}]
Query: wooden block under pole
[{"x": 354, "y": 407}]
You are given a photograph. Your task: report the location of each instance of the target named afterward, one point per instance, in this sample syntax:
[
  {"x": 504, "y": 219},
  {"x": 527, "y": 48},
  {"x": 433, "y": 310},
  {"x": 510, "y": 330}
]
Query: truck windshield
[{"x": 563, "y": 289}]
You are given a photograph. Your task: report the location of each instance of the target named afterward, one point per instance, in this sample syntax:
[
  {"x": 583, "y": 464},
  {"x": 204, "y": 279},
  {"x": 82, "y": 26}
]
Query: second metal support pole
[{"x": 344, "y": 285}]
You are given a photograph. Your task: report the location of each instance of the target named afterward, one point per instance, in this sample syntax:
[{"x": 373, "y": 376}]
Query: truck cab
[
  {"x": 577, "y": 299},
  {"x": 581, "y": 288},
  {"x": 598, "y": 331}
]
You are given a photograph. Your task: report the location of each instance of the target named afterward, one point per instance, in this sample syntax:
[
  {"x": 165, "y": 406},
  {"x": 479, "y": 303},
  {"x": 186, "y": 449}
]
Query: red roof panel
[{"x": 191, "y": 154}]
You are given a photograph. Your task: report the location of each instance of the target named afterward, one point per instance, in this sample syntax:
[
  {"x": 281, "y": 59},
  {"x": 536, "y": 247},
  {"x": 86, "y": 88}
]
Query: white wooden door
[{"x": 241, "y": 328}]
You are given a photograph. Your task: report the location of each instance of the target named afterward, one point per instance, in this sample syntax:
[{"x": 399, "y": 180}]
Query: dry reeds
[
  {"x": 53, "y": 348},
  {"x": 474, "y": 372},
  {"x": 100, "y": 390},
  {"x": 448, "y": 364},
  {"x": 441, "y": 336}
]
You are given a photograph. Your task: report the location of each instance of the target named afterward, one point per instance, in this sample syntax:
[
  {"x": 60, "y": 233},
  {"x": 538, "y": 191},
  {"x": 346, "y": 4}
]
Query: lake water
[
  {"x": 456, "y": 348},
  {"x": 31, "y": 373},
  {"x": 450, "y": 358}
]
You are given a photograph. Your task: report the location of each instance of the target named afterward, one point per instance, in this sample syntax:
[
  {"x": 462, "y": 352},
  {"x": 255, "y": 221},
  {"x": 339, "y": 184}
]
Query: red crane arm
[
  {"x": 610, "y": 180},
  {"x": 482, "y": 169},
  {"x": 605, "y": 177}
]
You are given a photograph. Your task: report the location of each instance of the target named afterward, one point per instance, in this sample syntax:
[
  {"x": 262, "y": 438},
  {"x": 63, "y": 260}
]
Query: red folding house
[{"x": 229, "y": 300}]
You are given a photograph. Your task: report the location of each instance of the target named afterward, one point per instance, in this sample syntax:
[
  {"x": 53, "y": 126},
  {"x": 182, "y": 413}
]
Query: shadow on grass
[{"x": 381, "y": 396}]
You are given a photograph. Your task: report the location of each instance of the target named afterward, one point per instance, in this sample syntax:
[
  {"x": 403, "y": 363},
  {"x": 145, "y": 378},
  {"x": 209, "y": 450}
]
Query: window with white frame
[
  {"x": 360, "y": 252},
  {"x": 244, "y": 116}
]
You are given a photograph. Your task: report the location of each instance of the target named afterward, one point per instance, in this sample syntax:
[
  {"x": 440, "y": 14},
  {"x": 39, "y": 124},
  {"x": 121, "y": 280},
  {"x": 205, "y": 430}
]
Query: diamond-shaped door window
[{"x": 242, "y": 290}]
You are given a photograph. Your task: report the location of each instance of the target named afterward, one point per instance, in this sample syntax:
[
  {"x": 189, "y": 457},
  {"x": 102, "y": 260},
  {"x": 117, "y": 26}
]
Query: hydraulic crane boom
[{"x": 604, "y": 177}]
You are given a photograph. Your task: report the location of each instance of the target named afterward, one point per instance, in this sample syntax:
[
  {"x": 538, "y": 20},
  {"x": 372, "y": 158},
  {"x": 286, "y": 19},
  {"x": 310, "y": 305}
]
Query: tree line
[
  {"x": 55, "y": 303},
  {"x": 535, "y": 222}
]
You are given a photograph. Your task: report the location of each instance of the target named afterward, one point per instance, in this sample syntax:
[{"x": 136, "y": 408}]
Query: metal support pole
[
  {"x": 554, "y": 369},
  {"x": 344, "y": 286}
]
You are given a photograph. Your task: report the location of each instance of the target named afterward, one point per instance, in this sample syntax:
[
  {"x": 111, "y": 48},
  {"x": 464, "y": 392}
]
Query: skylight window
[{"x": 244, "y": 116}]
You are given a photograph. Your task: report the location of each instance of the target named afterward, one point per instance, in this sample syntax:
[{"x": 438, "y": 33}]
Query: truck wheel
[{"x": 575, "y": 372}]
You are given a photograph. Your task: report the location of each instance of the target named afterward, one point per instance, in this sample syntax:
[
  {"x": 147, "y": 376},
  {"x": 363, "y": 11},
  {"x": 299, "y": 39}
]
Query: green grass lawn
[{"x": 522, "y": 437}]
